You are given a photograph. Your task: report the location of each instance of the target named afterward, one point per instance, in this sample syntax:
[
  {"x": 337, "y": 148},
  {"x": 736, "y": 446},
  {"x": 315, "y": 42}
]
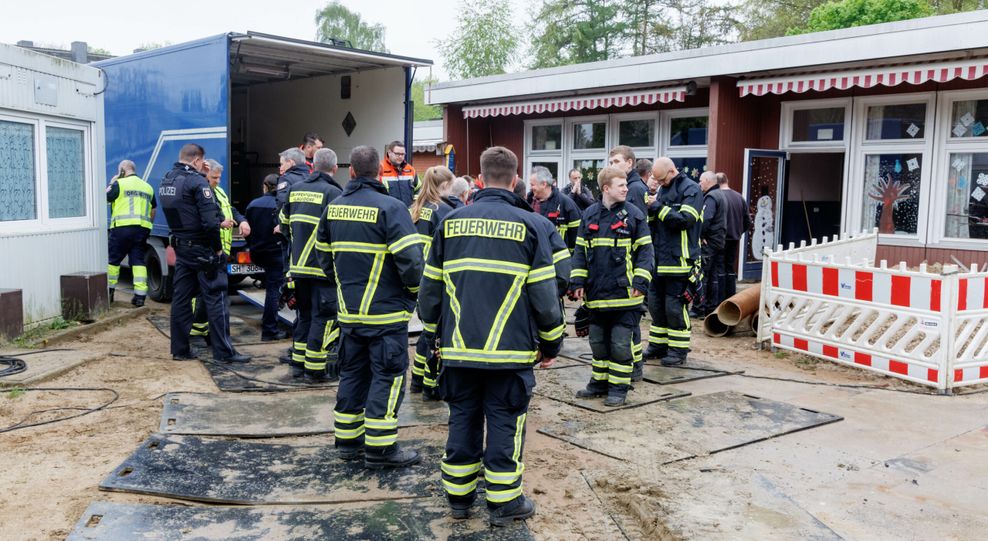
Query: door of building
[{"x": 764, "y": 184}]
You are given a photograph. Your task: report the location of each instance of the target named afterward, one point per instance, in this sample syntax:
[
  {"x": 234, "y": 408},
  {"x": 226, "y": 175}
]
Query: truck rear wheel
[{"x": 159, "y": 286}]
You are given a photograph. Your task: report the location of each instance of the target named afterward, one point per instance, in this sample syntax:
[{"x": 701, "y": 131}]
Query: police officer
[
  {"x": 397, "y": 175},
  {"x": 488, "y": 284},
  {"x": 623, "y": 157},
  {"x": 131, "y": 216},
  {"x": 193, "y": 217},
  {"x": 713, "y": 234},
  {"x": 316, "y": 332},
  {"x": 677, "y": 250},
  {"x": 368, "y": 245},
  {"x": 612, "y": 267},
  {"x": 428, "y": 211},
  {"x": 549, "y": 202},
  {"x": 230, "y": 217}
]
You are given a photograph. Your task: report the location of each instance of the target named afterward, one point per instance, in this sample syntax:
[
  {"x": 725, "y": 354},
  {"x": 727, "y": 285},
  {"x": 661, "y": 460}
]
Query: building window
[
  {"x": 589, "y": 170},
  {"x": 815, "y": 125},
  {"x": 552, "y": 166},
  {"x": 688, "y": 131},
  {"x": 65, "y": 151},
  {"x": 900, "y": 121},
  {"x": 968, "y": 119},
  {"x": 639, "y": 133},
  {"x": 692, "y": 167},
  {"x": 967, "y": 195},
  {"x": 892, "y": 184},
  {"x": 589, "y": 135},
  {"x": 548, "y": 137},
  {"x": 18, "y": 183}
]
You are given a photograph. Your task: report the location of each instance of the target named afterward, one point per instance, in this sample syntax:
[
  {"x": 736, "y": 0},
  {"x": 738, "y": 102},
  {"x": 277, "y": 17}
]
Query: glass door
[{"x": 764, "y": 184}]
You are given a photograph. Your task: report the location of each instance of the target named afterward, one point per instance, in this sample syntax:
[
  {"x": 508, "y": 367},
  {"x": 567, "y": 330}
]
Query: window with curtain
[
  {"x": 18, "y": 187},
  {"x": 66, "y": 173}
]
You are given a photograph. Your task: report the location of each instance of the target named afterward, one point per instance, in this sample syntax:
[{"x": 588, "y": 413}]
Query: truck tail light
[{"x": 243, "y": 258}]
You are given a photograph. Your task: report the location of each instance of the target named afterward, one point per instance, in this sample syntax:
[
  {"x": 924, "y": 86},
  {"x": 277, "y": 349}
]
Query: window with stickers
[
  {"x": 44, "y": 172},
  {"x": 965, "y": 160}
]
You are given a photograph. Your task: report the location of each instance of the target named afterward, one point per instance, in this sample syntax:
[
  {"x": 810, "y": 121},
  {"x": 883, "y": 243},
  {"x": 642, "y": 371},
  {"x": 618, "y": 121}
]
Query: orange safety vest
[{"x": 401, "y": 184}]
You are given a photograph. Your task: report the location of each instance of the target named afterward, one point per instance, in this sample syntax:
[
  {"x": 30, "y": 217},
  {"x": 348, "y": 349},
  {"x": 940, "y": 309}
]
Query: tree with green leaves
[
  {"x": 763, "y": 19},
  {"x": 691, "y": 24},
  {"x": 484, "y": 41},
  {"x": 576, "y": 31},
  {"x": 336, "y": 21},
  {"x": 422, "y": 110},
  {"x": 848, "y": 13}
]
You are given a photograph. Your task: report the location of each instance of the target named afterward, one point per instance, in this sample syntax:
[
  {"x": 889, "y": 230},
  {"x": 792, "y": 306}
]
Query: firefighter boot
[
  {"x": 111, "y": 295},
  {"x": 430, "y": 394},
  {"x": 616, "y": 398},
  {"x": 520, "y": 508},
  {"x": 315, "y": 377},
  {"x": 655, "y": 352},
  {"x": 394, "y": 458},
  {"x": 138, "y": 301},
  {"x": 594, "y": 389},
  {"x": 416, "y": 384},
  {"x": 637, "y": 372},
  {"x": 673, "y": 359}
]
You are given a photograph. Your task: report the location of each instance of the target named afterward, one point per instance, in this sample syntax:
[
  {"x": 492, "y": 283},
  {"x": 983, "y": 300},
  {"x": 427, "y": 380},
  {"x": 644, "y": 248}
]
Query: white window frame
[
  {"x": 558, "y": 160},
  {"x": 42, "y": 223},
  {"x": 786, "y": 125},
  {"x": 649, "y": 152},
  {"x": 863, "y": 148},
  {"x": 682, "y": 151},
  {"x": 529, "y": 124},
  {"x": 946, "y": 144},
  {"x": 572, "y": 154}
]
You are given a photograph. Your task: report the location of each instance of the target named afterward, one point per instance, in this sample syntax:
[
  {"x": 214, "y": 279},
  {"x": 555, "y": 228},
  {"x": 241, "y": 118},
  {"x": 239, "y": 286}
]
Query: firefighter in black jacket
[
  {"x": 677, "y": 224},
  {"x": 612, "y": 267},
  {"x": 489, "y": 288},
  {"x": 623, "y": 157},
  {"x": 316, "y": 332},
  {"x": 368, "y": 245},
  {"x": 428, "y": 210},
  {"x": 557, "y": 208}
]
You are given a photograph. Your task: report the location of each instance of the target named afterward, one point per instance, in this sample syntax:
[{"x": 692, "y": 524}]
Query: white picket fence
[{"x": 829, "y": 300}]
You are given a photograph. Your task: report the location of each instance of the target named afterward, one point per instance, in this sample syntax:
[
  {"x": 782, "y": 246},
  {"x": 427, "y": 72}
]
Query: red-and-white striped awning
[
  {"x": 576, "y": 103},
  {"x": 913, "y": 74}
]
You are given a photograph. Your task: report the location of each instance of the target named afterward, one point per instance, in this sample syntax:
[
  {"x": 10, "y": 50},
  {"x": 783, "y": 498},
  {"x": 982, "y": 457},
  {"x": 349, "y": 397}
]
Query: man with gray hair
[
  {"x": 315, "y": 332},
  {"x": 560, "y": 210},
  {"x": 459, "y": 191},
  {"x": 292, "y": 170}
]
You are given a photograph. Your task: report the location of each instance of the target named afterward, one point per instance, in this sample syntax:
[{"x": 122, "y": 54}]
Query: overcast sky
[{"x": 121, "y": 26}]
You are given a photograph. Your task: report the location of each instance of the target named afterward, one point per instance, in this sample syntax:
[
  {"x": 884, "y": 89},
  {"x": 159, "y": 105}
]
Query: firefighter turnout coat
[
  {"x": 677, "y": 224},
  {"x": 366, "y": 242},
  {"x": 613, "y": 255},
  {"x": 489, "y": 286},
  {"x": 304, "y": 207}
]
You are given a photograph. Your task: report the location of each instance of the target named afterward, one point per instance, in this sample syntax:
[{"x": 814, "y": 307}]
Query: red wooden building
[{"x": 882, "y": 126}]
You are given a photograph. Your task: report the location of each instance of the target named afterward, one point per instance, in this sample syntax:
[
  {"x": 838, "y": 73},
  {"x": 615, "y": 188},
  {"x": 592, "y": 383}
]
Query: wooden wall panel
[{"x": 914, "y": 256}]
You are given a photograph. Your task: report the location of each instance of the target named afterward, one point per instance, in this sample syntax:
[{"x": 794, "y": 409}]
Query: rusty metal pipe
[{"x": 740, "y": 306}]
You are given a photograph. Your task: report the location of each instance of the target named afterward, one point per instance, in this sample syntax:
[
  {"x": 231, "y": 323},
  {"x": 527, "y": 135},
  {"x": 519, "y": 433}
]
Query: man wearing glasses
[{"x": 398, "y": 177}]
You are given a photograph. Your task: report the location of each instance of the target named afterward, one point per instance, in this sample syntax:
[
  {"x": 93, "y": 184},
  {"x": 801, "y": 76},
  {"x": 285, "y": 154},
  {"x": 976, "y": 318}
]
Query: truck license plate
[{"x": 235, "y": 268}]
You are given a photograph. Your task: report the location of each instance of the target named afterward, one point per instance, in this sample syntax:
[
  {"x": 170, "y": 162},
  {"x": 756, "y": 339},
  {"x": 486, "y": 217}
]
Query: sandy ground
[{"x": 51, "y": 473}]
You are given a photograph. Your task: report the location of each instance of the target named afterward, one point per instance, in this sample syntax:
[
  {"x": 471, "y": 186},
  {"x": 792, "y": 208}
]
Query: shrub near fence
[{"x": 829, "y": 300}]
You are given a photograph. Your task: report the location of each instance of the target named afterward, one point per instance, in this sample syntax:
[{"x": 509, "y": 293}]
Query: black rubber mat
[
  {"x": 240, "y": 331},
  {"x": 686, "y": 428},
  {"x": 265, "y": 416},
  {"x": 260, "y": 374},
  {"x": 563, "y": 384},
  {"x": 244, "y": 472},
  {"x": 665, "y": 375},
  {"x": 422, "y": 519}
]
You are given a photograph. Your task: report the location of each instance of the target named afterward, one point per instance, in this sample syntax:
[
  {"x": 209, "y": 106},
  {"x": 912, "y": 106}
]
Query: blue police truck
[{"x": 244, "y": 98}]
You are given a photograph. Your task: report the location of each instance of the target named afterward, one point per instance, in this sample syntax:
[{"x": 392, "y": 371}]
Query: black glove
[
  {"x": 581, "y": 321},
  {"x": 287, "y": 297}
]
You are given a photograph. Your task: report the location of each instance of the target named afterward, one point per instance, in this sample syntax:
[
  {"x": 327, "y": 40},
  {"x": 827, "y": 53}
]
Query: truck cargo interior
[{"x": 281, "y": 89}]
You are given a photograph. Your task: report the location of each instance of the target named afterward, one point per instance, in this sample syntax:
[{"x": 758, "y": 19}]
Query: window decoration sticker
[
  {"x": 959, "y": 163},
  {"x": 978, "y": 194},
  {"x": 967, "y": 119},
  {"x": 978, "y": 128},
  {"x": 912, "y": 164},
  {"x": 889, "y": 192},
  {"x": 983, "y": 180},
  {"x": 912, "y": 130},
  {"x": 959, "y": 130}
]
